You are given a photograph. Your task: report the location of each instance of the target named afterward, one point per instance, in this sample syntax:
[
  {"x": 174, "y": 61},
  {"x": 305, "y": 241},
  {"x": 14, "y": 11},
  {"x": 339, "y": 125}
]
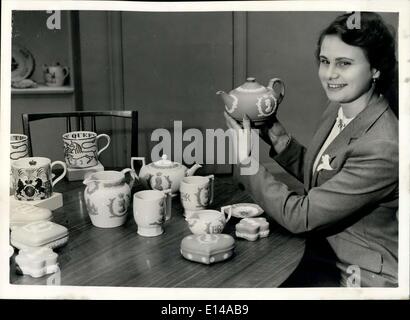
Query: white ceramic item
[
  {"x": 107, "y": 197},
  {"x": 163, "y": 174},
  {"x": 32, "y": 178},
  {"x": 196, "y": 193},
  {"x": 150, "y": 210},
  {"x": 259, "y": 103},
  {"x": 208, "y": 221},
  {"x": 39, "y": 234},
  {"x": 81, "y": 148},
  {"x": 36, "y": 262},
  {"x": 22, "y": 213},
  {"x": 245, "y": 210}
]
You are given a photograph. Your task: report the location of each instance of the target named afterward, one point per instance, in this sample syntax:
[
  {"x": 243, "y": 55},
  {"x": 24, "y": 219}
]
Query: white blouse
[{"x": 341, "y": 122}]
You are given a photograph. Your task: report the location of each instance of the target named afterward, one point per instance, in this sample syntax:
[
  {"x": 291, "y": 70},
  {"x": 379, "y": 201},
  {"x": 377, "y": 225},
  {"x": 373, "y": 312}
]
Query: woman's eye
[
  {"x": 344, "y": 63},
  {"x": 324, "y": 61}
]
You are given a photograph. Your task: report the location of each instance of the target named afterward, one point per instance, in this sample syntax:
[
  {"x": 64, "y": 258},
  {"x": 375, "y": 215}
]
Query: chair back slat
[
  {"x": 68, "y": 124},
  {"x": 81, "y": 123},
  {"x": 93, "y": 124}
]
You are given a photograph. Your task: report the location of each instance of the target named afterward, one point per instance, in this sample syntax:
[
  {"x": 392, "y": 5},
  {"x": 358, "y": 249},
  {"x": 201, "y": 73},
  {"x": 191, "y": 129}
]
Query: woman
[{"x": 350, "y": 169}]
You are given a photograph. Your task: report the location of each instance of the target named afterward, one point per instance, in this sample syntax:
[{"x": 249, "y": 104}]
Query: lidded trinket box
[{"x": 207, "y": 248}]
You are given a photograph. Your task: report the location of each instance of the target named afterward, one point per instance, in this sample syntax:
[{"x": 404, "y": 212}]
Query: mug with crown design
[{"x": 33, "y": 178}]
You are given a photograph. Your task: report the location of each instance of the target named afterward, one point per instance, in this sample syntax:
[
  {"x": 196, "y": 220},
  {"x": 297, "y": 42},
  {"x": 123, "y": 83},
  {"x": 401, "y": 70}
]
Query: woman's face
[{"x": 344, "y": 71}]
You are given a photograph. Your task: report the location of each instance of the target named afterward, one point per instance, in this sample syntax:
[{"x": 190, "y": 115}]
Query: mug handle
[
  {"x": 168, "y": 204},
  {"x": 66, "y": 71},
  {"x": 61, "y": 176},
  {"x": 212, "y": 179},
  {"x": 229, "y": 212},
  {"x": 106, "y": 136},
  {"x": 282, "y": 89},
  {"x": 142, "y": 159}
]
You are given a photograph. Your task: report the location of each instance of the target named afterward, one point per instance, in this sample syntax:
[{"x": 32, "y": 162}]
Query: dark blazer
[{"x": 354, "y": 202}]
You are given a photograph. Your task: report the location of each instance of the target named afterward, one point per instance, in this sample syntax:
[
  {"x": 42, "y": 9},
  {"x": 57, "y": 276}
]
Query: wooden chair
[{"x": 81, "y": 119}]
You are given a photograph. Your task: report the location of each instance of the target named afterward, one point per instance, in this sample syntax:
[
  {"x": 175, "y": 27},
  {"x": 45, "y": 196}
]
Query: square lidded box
[
  {"x": 207, "y": 248},
  {"x": 22, "y": 213},
  {"x": 39, "y": 234}
]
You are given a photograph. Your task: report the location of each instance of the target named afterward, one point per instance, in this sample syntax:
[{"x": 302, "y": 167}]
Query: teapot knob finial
[{"x": 251, "y": 79}]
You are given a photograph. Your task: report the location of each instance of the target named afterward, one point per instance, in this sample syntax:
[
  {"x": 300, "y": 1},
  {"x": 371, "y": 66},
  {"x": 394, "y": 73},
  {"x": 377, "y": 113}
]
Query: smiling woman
[{"x": 350, "y": 169}]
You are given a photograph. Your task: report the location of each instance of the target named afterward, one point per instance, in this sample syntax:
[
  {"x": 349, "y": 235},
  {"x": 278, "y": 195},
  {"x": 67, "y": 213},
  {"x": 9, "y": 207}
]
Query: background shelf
[{"x": 43, "y": 89}]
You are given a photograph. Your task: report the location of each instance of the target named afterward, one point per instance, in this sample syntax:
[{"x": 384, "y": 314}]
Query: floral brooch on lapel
[{"x": 324, "y": 163}]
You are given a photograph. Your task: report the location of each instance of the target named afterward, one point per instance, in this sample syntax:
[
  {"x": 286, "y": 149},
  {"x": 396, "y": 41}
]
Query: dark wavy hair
[{"x": 375, "y": 39}]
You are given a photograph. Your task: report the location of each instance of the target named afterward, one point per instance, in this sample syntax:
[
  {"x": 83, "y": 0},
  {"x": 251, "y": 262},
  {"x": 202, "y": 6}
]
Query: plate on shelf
[
  {"x": 245, "y": 210},
  {"x": 22, "y": 63}
]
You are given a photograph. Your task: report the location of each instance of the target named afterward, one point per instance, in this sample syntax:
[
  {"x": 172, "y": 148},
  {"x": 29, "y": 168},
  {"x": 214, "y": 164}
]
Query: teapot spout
[
  {"x": 191, "y": 171},
  {"x": 225, "y": 97}
]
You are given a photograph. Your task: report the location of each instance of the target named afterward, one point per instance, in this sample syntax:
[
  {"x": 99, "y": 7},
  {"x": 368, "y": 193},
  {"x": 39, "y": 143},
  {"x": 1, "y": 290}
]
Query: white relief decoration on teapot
[
  {"x": 172, "y": 166},
  {"x": 264, "y": 104},
  {"x": 234, "y": 104},
  {"x": 242, "y": 89},
  {"x": 157, "y": 182}
]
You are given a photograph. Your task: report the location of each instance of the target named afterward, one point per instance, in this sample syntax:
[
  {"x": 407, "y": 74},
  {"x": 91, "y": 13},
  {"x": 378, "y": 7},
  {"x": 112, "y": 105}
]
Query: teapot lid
[
  {"x": 251, "y": 86},
  {"x": 165, "y": 163}
]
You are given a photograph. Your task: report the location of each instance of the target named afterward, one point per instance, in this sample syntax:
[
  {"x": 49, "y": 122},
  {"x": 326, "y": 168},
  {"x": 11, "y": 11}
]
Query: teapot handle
[
  {"x": 66, "y": 71},
  {"x": 229, "y": 211},
  {"x": 272, "y": 82},
  {"x": 142, "y": 159}
]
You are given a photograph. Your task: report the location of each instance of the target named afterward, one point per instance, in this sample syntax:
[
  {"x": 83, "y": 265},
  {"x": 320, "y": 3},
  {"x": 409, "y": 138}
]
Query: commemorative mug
[
  {"x": 55, "y": 75},
  {"x": 150, "y": 208},
  {"x": 81, "y": 148},
  {"x": 33, "y": 177},
  {"x": 18, "y": 146},
  {"x": 18, "y": 149},
  {"x": 196, "y": 193}
]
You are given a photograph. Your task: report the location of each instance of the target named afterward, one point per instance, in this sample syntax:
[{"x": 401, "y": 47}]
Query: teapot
[
  {"x": 107, "y": 197},
  {"x": 208, "y": 221},
  {"x": 163, "y": 174},
  {"x": 259, "y": 103}
]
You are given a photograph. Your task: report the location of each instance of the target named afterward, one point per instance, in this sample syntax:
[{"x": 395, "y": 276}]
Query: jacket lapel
[
  {"x": 356, "y": 128},
  {"x": 319, "y": 138}
]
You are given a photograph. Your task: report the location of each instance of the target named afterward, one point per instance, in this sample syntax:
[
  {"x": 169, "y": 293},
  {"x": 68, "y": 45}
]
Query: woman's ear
[{"x": 376, "y": 74}]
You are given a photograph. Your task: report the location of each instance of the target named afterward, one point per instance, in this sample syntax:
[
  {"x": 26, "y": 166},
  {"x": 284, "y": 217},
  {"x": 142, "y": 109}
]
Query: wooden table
[{"x": 121, "y": 257}]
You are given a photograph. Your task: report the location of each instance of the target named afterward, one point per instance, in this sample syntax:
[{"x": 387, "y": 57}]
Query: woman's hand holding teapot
[{"x": 274, "y": 134}]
